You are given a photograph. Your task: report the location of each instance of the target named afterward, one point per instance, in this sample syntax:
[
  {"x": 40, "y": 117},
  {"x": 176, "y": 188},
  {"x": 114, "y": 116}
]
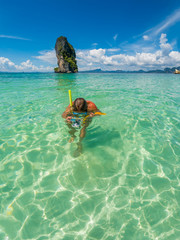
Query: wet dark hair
[{"x": 80, "y": 104}]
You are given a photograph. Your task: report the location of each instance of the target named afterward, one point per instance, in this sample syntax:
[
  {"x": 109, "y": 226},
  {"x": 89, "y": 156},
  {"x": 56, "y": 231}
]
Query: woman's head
[{"x": 80, "y": 105}]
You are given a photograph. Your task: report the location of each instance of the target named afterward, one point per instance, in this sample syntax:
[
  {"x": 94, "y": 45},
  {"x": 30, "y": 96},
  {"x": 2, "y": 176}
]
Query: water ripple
[{"x": 124, "y": 185}]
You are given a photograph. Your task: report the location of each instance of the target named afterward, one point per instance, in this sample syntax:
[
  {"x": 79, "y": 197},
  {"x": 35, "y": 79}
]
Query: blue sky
[{"x": 111, "y": 35}]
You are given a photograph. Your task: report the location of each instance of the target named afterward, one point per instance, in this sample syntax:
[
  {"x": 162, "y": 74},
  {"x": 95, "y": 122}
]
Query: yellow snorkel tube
[{"x": 70, "y": 98}]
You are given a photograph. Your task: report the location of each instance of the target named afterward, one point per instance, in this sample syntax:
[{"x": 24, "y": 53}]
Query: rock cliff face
[{"x": 66, "y": 55}]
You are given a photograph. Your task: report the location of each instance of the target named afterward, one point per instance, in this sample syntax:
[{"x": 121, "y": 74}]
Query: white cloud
[
  {"x": 97, "y": 52},
  {"x": 115, "y": 37},
  {"x": 146, "y": 37},
  {"x": 152, "y": 35},
  {"x": 171, "y": 20},
  {"x": 175, "y": 56},
  {"x": 48, "y": 56},
  {"x": 168, "y": 22},
  {"x": 163, "y": 38},
  {"x": 159, "y": 59},
  {"x": 14, "y": 37},
  {"x": 113, "y": 49},
  {"x": 7, "y": 65},
  {"x": 165, "y": 47}
]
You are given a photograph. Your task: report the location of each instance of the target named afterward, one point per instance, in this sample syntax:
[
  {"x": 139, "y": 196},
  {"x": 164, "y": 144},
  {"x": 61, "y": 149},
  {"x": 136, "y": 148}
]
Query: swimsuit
[{"x": 76, "y": 122}]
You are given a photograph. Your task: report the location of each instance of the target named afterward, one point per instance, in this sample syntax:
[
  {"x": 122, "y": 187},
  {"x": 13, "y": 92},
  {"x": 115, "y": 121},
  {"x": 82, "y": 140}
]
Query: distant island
[
  {"x": 66, "y": 56},
  {"x": 166, "y": 70}
]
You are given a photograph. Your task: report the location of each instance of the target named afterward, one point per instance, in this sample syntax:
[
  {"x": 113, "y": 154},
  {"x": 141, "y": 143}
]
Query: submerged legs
[
  {"x": 72, "y": 133},
  {"x": 82, "y": 134},
  {"x": 79, "y": 149}
]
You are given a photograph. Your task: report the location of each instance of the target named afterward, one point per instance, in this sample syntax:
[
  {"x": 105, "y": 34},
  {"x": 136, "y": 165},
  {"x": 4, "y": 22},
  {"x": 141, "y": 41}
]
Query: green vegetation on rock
[{"x": 56, "y": 69}]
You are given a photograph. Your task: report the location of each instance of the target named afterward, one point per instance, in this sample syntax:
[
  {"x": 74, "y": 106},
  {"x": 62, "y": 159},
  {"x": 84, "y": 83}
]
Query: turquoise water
[{"x": 124, "y": 185}]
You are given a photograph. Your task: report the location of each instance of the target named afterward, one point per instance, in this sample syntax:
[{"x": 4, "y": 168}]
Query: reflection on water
[
  {"x": 124, "y": 185},
  {"x": 65, "y": 81}
]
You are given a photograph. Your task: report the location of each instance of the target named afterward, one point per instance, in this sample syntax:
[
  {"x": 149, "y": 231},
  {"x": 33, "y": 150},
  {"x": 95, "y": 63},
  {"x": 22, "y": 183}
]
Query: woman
[{"x": 79, "y": 115}]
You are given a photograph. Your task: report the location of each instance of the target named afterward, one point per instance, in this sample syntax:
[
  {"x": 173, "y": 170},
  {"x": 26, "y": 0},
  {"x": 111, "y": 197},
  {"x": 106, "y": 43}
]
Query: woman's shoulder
[{"x": 91, "y": 106}]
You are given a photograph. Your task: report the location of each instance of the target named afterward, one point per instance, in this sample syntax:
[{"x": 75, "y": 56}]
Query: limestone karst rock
[{"x": 66, "y": 56}]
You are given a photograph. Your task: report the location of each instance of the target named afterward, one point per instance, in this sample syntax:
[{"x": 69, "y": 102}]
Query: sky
[{"x": 111, "y": 35}]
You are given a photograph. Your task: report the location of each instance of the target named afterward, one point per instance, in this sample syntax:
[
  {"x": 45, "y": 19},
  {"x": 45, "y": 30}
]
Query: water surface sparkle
[{"x": 125, "y": 184}]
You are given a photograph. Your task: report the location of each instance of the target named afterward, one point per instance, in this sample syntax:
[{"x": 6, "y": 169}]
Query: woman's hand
[
  {"x": 91, "y": 114},
  {"x": 68, "y": 119}
]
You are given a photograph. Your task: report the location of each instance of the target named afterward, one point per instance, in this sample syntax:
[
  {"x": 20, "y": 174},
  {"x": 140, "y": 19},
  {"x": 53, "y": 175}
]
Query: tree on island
[{"x": 66, "y": 56}]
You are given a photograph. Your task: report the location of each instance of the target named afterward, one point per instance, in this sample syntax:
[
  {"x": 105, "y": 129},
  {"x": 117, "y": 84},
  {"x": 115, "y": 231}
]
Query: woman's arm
[{"x": 67, "y": 112}]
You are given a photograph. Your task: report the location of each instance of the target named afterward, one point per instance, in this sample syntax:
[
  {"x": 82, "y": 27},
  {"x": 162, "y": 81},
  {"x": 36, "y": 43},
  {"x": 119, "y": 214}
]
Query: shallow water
[{"x": 124, "y": 185}]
